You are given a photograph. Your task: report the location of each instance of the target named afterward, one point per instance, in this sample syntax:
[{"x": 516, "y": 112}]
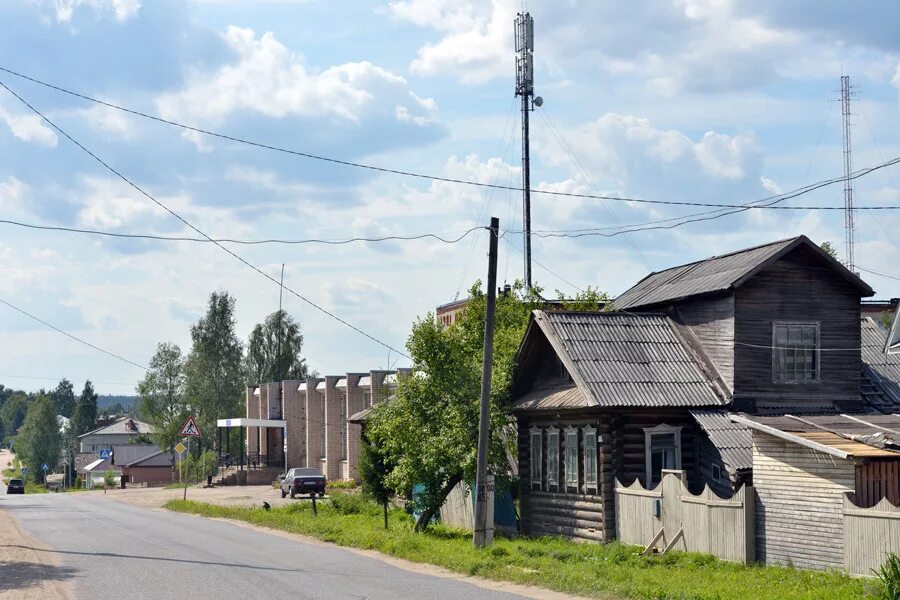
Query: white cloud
[
  {"x": 28, "y": 128},
  {"x": 109, "y": 120},
  {"x": 109, "y": 203},
  {"x": 122, "y": 10},
  {"x": 270, "y": 80},
  {"x": 12, "y": 195}
]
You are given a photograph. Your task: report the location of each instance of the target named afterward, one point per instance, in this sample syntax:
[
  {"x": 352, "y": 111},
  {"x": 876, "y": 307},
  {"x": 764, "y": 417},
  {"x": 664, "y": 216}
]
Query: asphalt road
[{"x": 112, "y": 550}]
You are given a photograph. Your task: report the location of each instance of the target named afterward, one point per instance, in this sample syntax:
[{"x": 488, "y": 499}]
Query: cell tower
[
  {"x": 524, "y": 34},
  {"x": 849, "y": 224}
]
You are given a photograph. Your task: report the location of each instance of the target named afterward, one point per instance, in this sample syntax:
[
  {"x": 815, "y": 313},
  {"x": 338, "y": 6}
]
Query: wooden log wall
[
  {"x": 799, "y": 503},
  {"x": 566, "y": 511}
]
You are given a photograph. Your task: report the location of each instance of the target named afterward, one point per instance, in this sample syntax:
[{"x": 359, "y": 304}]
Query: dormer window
[{"x": 795, "y": 352}]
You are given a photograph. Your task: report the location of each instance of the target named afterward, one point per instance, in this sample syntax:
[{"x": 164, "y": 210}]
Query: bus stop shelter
[{"x": 262, "y": 442}]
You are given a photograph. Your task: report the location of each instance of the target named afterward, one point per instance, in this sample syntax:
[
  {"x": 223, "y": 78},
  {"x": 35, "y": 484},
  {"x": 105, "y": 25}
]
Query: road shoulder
[{"x": 31, "y": 570}]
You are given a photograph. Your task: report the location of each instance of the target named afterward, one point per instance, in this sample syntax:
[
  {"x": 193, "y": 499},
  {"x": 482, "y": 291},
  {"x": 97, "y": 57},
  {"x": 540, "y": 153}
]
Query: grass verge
[
  {"x": 611, "y": 571},
  {"x": 16, "y": 472}
]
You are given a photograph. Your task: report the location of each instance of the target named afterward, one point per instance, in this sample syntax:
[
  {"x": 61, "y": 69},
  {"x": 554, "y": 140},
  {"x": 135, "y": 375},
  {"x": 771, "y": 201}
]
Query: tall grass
[
  {"x": 611, "y": 571},
  {"x": 889, "y": 576}
]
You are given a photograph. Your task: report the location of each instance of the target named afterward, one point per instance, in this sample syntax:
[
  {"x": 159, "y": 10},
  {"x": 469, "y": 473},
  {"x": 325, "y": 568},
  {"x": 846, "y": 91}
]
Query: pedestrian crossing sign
[{"x": 189, "y": 429}]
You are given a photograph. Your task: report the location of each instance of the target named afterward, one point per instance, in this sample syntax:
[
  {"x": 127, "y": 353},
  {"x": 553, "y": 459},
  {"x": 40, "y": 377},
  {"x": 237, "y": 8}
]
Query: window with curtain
[
  {"x": 571, "y": 457},
  {"x": 553, "y": 458},
  {"x": 536, "y": 458},
  {"x": 795, "y": 352},
  {"x": 590, "y": 459}
]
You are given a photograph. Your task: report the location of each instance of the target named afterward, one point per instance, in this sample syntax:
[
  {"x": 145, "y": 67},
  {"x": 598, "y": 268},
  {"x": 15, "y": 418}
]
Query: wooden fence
[
  {"x": 673, "y": 518},
  {"x": 869, "y": 535}
]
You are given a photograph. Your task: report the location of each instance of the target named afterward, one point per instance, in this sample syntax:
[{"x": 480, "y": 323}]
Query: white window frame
[
  {"x": 571, "y": 482},
  {"x": 367, "y": 399},
  {"x": 661, "y": 429},
  {"x": 817, "y": 354},
  {"x": 535, "y": 471},
  {"x": 553, "y": 458},
  {"x": 591, "y": 480}
]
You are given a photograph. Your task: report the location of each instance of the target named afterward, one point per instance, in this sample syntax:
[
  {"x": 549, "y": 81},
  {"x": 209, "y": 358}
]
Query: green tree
[
  {"x": 40, "y": 441},
  {"x": 14, "y": 411},
  {"x": 274, "y": 348},
  {"x": 161, "y": 396},
  {"x": 373, "y": 471},
  {"x": 213, "y": 371},
  {"x": 829, "y": 249},
  {"x": 64, "y": 398},
  {"x": 84, "y": 417}
]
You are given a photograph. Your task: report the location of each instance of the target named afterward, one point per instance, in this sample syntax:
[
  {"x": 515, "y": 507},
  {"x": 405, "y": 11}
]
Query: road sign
[
  {"x": 45, "y": 468},
  {"x": 190, "y": 429},
  {"x": 24, "y": 471},
  {"x": 105, "y": 454},
  {"x": 180, "y": 448}
]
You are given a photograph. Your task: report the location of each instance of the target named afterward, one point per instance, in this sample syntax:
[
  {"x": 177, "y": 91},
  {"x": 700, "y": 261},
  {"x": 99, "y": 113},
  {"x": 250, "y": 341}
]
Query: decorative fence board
[
  {"x": 719, "y": 526},
  {"x": 869, "y": 535}
]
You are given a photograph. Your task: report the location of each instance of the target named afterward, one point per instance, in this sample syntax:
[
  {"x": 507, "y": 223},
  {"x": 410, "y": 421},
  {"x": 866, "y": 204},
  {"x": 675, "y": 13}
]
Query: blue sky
[{"x": 686, "y": 100}]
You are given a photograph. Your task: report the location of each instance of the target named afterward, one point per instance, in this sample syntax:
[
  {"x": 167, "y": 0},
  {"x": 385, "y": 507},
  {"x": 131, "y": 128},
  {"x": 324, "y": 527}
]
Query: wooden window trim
[
  {"x": 661, "y": 429},
  {"x": 571, "y": 431},
  {"x": 535, "y": 432},
  {"x": 818, "y": 353},
  {"x": 591, "y": 432},
  {"x": 553, "y": 467}
]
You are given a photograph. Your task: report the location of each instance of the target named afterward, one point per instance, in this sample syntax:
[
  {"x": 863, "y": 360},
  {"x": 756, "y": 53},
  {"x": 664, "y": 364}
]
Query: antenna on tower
[
  {"x": 524, "y": 35},
  {"x": 849, "y": 224}
]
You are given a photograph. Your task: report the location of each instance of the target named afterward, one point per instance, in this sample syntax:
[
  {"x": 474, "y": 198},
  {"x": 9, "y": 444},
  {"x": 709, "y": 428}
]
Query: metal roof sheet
[
  {"x": 880, "y": 384},
  {"x": 716, "y": 274},
  {"x": 864, "y": 435},
  {"x": 124, "y": 454},
  {"x": 626, "y": 359},
  {"x": 733, "y": 440}
]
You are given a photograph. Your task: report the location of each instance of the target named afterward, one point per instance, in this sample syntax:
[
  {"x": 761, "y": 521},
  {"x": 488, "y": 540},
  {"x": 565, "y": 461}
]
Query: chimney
[{"x": 131, "y": 425}]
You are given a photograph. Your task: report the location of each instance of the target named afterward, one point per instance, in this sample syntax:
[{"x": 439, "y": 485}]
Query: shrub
[{"x": 889, "y": 575}]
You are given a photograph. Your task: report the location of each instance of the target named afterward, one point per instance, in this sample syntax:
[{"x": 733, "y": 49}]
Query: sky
[{"x": 710, "y": 101}]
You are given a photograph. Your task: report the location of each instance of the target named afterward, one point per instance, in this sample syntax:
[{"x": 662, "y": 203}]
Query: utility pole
[
  {"x": 524, "y": 34},
  {"x": 849, "y": 224},
  {"x": 484, "y": 484}
]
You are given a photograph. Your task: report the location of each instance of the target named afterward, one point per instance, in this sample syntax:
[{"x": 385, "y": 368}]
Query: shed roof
[
  {"x": 361, "y": 416},
  {"x": 720, "y": 273},
  {"x": 552, "y": 398},
  {"x": 733, "y": 440},
  {"x": 159, "y": 459},
  {"x": 843, "y": 435},
  {"x": 124, "y": 454},
  {"x": 625, "y": 359}
]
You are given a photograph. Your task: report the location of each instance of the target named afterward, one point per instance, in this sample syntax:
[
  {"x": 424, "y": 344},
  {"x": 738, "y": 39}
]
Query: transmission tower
[
  {"x": 524, "y": 33},
  {"x": 849, "y": 224}
]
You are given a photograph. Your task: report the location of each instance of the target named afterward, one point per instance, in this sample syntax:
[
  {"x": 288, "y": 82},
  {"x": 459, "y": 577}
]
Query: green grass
[{"x": 611, "y": 571}]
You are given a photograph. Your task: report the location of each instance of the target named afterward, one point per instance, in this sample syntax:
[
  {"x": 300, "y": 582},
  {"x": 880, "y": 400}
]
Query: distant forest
[{"x": 109, "y": 400}]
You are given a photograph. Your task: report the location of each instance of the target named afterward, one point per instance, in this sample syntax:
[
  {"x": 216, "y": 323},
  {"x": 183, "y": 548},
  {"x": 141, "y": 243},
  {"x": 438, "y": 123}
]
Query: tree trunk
[
  {"x": 385, "y": 507},
  {"x": 428, "y": 513}
]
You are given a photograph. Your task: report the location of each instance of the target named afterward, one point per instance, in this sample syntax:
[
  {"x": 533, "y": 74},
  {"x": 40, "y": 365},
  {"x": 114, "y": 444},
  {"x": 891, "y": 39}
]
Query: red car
[{"x": 303, "y": 481}]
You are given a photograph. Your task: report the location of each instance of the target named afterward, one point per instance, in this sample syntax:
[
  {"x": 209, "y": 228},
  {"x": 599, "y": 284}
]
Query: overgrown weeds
[{"x": 889, "y": 576}]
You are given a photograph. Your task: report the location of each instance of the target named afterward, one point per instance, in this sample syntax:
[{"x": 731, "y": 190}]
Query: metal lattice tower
[
  {"x": 849, "y": 224},
  {"x": 524, "y": 33}
]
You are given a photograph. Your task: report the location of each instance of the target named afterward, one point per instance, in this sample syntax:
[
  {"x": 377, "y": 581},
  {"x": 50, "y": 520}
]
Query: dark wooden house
[{"x": 769, "y": 330}]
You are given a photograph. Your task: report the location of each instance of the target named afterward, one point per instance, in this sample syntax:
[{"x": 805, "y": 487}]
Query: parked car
[
  {"x": 15, "y": 486},
  {"x": 303, "y": 481}
]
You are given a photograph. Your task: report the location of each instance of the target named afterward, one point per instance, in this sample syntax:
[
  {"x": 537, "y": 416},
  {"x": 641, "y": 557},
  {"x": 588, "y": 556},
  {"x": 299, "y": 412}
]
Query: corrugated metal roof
[
  {"x": 362, "y": 416},
  {"x": 733, "y": 440},
  {"x": 553, "y": 398},
  {"x": 716, "y": 274},
  {"x": 628, "y": 359},
  {"x": 880, "y": 384},
  {"x": 160, "y": 459},
  {"x": 124, "y": 454},
  {"x": 854, "y": 434},
  {"x": 121, "y": 426}
]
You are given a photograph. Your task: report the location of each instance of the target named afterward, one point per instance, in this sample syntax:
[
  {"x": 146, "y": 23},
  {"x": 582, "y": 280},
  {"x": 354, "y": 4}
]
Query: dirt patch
[{"x": 30, "y": 570}]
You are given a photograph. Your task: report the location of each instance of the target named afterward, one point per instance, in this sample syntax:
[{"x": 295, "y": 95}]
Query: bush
[
  {"x": 353, "y": 504},
  {"x": 889, "y": 575}
]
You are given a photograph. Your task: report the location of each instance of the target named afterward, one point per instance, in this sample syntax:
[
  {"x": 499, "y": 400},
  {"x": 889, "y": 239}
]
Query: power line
[
  {"x": 239, "y": 241},
  {"x": 190, "y": 225},
  {"x": 878, "y": 273},
  {"x": 69, "y": 335},
  {"x": 347, "y": 163}
]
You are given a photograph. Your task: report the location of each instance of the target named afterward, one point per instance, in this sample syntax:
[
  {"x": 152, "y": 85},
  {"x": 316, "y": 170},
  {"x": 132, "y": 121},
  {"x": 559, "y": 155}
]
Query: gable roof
[
  {"x": 623, "y": 359},
  {"x": 721, "y": 273},
  {"x": 158, "y": 459},
  {"x": 126, "y": 454},
  {"x": 120, "y": 427}
]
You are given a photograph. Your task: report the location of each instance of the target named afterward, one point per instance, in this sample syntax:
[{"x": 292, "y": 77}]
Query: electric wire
[
  {"x": 405, "y": 173},
  {"x": 150, "y": 197},
  {"x": 879, "y": 273},
  {"x": 69, "y": 335},
  {"x": 166, "y": 238}
]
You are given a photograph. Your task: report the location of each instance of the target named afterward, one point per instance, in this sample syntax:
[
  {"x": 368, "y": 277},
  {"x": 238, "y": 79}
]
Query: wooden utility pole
[{"x": 484, "y": 531}]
